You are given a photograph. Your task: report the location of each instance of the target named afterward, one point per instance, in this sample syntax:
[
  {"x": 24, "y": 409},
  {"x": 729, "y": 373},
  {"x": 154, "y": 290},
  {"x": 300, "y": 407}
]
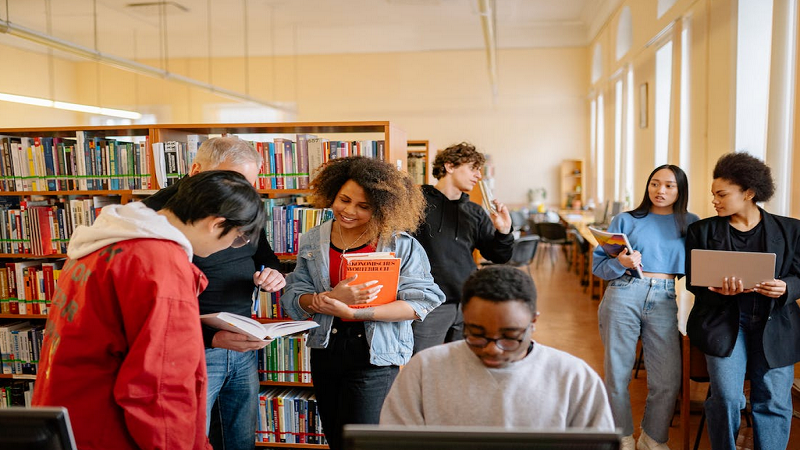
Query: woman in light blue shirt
[
  {"x": 646, "y": 307},
  {"x": 356, "y": 353}
]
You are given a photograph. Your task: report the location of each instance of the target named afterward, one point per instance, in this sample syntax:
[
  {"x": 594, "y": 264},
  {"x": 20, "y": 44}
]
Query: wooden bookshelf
[
  {"x": 285, "y": 445},
  {"x": 418, "y": 161}
]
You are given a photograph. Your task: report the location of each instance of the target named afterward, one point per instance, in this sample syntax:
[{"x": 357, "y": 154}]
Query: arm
[
  {"x": 296, "y": 296},
  {"x": 494, "y": 239},
  {"x": 403, "y": 405},
  {"x": 160, "y": 385}
]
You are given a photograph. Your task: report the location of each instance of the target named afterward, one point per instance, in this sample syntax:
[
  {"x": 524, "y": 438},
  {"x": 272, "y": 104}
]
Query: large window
[
  {"x": 618, "y": 126},
  {"x": 663, "y": 94},
  {"x": 754, "y": 45},
  {"x": 684, "y": 149},
  {"x": 629, "y": 141},
  {"x": 601, "y": 172}
]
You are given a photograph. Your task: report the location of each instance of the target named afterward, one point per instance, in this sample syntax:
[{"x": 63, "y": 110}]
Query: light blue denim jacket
[{"x": 390, "y": 343}]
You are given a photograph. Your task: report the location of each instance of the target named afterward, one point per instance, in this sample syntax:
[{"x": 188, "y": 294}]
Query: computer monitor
[
  {"x": 383, "y": 437},
  {"x": 39, "y": 428},
  {"x": 601, "y": 213},
  {"x": 616, "y": 208}
]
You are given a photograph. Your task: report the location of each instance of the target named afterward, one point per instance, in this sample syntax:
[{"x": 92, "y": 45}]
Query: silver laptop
[{"x": 710, "y": 267}]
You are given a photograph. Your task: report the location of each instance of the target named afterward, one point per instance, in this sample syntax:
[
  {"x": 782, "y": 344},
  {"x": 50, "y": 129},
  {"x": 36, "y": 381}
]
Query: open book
[
  {"x": 382, "y": 267},
  {"x": 488, "y": 198},
  {"x": 613, "y": 243},
  {"x": 253, "y": 329}
]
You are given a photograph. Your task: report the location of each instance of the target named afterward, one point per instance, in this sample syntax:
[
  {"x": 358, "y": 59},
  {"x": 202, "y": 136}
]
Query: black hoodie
[{"x": 451, "y": 231}]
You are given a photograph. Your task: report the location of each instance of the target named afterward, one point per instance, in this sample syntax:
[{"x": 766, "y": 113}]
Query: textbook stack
[{"x": 288, "y": 415}]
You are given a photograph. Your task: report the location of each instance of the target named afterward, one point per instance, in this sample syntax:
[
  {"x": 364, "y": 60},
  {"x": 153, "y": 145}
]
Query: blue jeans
[
  {"x": 348, "y": 388},
  {"x": 233, "y": 387},
  {"x": 770, "y": 389},
  {"x": 646, "y": 307},
  {"x": 444, "y": 324}
]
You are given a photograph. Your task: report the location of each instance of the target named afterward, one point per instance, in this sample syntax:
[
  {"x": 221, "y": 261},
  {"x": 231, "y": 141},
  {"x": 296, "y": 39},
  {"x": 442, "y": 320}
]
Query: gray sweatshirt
[{"x": 449, "y": 385}]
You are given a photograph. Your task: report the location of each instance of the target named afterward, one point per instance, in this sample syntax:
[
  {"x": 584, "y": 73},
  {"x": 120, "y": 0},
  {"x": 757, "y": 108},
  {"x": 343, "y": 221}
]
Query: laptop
[{"x": 710, "y": 267}]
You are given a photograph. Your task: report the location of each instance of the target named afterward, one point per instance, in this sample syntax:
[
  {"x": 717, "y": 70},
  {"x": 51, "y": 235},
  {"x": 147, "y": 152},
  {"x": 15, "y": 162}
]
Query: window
[
  {"x": 685, "y": 123},
  {"x": 597, "y": 63},
  {"x": 618, "y": 126},
  {"x": 624, "y": 32},
  {"x": 663, "y": 94},
  {"x": 629, "y": 141},
  {"x": 601, "y": 173},
  {"x": 754, "y": 45}
]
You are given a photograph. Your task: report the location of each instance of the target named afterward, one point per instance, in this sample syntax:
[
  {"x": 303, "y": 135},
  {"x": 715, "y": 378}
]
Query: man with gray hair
[{"x": 231, "y": 360}]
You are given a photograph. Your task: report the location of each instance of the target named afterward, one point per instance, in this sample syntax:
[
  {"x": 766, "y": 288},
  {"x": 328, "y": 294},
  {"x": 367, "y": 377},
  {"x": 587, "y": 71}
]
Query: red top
[
  {"x": 123, "y": 351},
  {"x": 337, "y": 268}
]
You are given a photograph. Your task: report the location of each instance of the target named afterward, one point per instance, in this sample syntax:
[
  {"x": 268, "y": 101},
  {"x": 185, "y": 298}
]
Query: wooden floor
[{"x": 568, "y": 321}]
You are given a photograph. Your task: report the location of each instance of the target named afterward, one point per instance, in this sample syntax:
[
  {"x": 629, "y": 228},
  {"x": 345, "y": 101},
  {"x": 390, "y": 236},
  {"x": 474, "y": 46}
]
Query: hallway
[{"x": 568, "y": 321}]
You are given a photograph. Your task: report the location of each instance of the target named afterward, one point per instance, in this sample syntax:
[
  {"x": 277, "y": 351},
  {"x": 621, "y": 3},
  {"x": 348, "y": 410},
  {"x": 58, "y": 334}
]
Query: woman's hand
[
  {"x": 355, "y": 294},
  {"x": 731, "y": 286},
  {"x": 771, "y": 289},
  {"x": 269, "y": 280},
  {"x": 629, "y": 261},
  {"x": 323, "y": 303}
]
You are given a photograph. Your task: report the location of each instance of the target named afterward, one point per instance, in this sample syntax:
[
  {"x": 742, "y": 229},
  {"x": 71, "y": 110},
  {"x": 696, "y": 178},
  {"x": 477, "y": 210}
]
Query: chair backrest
[
  {"x": 577, "y": 237},
  {"x": 518, "y": 221},
  {"x": 523, "y": 251},
  {"x": 551, "y": 231}
]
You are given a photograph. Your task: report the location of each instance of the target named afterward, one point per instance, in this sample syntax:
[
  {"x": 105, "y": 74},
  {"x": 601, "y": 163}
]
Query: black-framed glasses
[
  {"x": 240, "y": 241},
  {"x": 505, "y": 344}
]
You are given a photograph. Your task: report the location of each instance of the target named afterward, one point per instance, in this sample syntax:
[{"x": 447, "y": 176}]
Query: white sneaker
[
  {"x": 648, "y": 443},
  {"x": 627, "y": 443}
]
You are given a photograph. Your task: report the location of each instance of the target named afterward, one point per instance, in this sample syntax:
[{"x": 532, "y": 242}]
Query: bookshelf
[
  {"x": 572, "y": 183},
  {"x": 418, "y": 161},
  {"x": 60, "y": 181}
]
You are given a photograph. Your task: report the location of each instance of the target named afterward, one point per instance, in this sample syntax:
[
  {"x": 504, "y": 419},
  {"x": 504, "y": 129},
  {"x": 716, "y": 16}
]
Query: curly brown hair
[
  {"x": 397, "y": 203},
  {"x": 458, "y": 154},
  {"x": 747, "y": 172}
]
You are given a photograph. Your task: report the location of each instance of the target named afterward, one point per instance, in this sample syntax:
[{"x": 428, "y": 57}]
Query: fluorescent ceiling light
[{"x": 70, "y": 106}]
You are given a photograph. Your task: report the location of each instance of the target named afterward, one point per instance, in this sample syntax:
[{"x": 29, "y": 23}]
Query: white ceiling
[{"x": 287, "y": 27}]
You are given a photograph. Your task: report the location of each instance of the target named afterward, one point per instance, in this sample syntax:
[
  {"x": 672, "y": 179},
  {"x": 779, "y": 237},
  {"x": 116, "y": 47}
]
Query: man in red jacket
[{"x": 123, "y": 350}]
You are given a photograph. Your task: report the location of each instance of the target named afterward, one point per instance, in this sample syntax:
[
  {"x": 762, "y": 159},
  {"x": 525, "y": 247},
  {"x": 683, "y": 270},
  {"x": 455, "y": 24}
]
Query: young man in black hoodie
[{"x": 452, "y": 229}]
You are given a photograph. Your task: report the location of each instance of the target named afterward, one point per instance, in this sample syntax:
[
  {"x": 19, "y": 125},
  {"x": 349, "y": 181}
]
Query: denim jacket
[{"x": 390, "y": 343}]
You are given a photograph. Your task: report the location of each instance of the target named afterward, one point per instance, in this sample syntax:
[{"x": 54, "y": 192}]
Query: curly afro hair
[
  {"x": 747, "y": 172},
  {"x": 397, "y": 203},
  {"x": 458, "y": 154}
]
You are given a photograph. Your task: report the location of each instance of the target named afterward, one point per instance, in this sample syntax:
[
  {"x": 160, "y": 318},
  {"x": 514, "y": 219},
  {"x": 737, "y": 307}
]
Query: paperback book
[
  {"x": 253, "y": 329},
  {"x": 488, "y": 198},
  {"x": 382, "y": 267},
  {"x": 613, "y": 243}
]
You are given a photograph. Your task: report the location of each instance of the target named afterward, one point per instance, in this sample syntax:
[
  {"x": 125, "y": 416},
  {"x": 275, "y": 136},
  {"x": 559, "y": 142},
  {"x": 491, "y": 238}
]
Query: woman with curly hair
[
  {"x": 356, "y": 353},
  {"x": 753, "y": 331}
]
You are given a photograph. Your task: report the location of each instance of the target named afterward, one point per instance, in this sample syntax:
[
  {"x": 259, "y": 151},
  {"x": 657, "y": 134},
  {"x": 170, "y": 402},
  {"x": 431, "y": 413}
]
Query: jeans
[
  {"x": 233, "y": 386},
  {"x": 348, "y": 388},
  {"x": 443, "y": 324},
  {"x": 646, "y": 307},
  {"x": 770, "y": 389}
]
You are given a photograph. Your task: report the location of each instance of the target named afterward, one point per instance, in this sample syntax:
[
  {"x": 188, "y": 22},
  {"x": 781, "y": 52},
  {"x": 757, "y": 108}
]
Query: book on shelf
[
  {"x": 383, "y": 267},
  {"x": 613, "y": 244},
  {"x": 254, "y": 330}
]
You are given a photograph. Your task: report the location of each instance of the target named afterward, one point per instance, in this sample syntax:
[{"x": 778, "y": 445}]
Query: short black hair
[
  {"x": 500, "y": 284},
  {"x": 219, "y": 193},
  {"x": 747, "y": 172}
]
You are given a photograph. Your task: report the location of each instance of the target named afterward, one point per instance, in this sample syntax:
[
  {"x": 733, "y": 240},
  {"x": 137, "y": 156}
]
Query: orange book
[{"x": 382, "y": 267}]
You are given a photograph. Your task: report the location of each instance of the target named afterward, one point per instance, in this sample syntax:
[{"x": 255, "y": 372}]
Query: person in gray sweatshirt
[{"x": 503, "y": 377}]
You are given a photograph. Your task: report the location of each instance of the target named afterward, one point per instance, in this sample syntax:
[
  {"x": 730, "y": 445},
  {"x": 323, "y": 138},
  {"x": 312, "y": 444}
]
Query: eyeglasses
[
  {"x": 504, "y": 344},
  {"x": 240, "y": 241}
]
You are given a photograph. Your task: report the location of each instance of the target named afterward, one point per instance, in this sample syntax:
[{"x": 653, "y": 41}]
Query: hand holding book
[{"x": 616, "y": 245}]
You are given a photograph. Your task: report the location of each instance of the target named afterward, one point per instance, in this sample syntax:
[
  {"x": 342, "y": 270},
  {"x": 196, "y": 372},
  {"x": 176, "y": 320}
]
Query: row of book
[
  {"x": 286, "y": 222},
  {"x": 288, "y": 415},
  {"x": 43, "y": 227},
  {"x": 287, "y": 164},
  {"x": 80, "y": 163},
  {"x": 285, "y": 359},
  {"x": 27, "y": 287},
  {"x": 16, "y": 393},
  {"x": 20, "y": 345}
]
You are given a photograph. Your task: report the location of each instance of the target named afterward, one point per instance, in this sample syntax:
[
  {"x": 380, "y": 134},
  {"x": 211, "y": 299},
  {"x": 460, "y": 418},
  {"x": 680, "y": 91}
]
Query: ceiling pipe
[
  {"x": 486, "y": 9},
  {"x": 127, "y": 64}
]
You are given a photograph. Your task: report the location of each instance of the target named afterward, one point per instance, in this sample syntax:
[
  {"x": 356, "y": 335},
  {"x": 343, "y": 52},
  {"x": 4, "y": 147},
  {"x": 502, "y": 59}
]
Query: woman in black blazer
[{"x": 756, "y": 331}]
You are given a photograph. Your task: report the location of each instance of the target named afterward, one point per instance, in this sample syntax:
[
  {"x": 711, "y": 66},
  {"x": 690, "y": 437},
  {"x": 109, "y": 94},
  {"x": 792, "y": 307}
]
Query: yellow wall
[
  {"x": 537, "y": 120},
  {"x": 712, "y": 89}
]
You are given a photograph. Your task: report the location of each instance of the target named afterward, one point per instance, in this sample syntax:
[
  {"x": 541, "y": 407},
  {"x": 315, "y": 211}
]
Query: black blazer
[{"x": 714, "y": 321}]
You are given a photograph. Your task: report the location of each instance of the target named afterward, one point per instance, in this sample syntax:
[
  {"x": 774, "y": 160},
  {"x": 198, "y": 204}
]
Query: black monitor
[
  {"x": 385, "y": 437},
  {"x": 39, "y": 428}
]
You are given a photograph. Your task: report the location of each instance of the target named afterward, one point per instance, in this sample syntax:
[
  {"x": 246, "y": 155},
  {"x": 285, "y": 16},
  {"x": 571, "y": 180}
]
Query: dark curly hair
[
  {"x": 500, "y": 284},
  {"x": 747, "y": 172},
  {"x": 397, "y": 203},
  {"x": 458, "y": 154}
]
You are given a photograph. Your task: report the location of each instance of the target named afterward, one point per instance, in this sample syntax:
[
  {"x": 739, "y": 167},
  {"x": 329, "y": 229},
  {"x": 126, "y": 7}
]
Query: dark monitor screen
[
  {"x": 45, "y": 428},
  {"x": 382, "y": 437}
]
